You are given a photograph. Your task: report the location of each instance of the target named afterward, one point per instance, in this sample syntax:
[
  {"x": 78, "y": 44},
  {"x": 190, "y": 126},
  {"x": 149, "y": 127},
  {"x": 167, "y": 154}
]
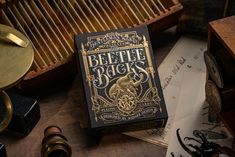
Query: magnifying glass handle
[{"x": 9, "y": 110}]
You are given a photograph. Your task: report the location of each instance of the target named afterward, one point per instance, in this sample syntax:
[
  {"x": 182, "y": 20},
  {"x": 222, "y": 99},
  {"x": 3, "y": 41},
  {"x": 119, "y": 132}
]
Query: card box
[{"x": 120, "y": 79}]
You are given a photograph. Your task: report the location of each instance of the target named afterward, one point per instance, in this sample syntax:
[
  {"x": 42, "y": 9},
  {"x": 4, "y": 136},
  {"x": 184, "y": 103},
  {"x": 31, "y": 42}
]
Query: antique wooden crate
[
  {"x": 51, "y": 25},
  {"x": 220, "y": 60}
]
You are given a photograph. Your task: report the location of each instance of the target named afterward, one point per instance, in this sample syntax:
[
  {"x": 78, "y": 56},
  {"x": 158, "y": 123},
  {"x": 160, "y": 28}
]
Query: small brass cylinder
[{"x": 54, "y": 143}]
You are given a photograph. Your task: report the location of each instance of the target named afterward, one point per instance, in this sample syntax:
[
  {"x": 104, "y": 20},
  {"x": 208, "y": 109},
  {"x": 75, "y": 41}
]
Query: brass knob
[
  {"x": 9, "y": 110},
  {"x": 54, "y": 143}
]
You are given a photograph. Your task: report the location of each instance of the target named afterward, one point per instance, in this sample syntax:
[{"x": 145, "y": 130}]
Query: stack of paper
[{"x": 183, "y": 77}]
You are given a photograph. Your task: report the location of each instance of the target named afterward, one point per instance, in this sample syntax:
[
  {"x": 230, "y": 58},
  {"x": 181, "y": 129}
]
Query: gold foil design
[
  {"x": 123, "y": 82},
  {"x": 125, "y": 94}
]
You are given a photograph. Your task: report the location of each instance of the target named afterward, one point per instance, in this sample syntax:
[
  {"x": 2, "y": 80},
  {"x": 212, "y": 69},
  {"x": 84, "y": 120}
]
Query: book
[{"x": 121, "y": 81}]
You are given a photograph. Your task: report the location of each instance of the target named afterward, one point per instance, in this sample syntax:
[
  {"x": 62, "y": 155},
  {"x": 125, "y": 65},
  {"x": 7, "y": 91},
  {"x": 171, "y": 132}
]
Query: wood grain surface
[
  {"x": 224, "y": 31},
  {"x": 61, "y": 105}
]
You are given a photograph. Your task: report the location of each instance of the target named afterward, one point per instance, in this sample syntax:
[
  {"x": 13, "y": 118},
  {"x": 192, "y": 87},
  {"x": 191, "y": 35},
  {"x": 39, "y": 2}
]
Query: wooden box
[
  {"x": 220, "y": 61},
  {"x": 51, "y": 25}
]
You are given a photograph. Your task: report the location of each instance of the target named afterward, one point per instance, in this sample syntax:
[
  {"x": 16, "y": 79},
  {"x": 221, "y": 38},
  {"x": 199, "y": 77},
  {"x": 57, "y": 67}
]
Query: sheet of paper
[
  {"x": 186, "y": 55},
  {"x": 191, "y": 118}
]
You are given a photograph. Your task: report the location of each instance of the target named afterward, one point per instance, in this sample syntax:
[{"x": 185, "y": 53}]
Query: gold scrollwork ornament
[{"x": 126, "y": 102}]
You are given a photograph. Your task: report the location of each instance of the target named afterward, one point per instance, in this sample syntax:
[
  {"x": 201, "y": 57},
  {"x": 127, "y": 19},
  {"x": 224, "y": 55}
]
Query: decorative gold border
[{"x": 94, "y": 92}]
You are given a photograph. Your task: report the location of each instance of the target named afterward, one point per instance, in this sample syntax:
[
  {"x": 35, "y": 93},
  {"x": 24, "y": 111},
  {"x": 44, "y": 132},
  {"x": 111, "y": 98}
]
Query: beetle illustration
[{"x": 205, "y": 147}]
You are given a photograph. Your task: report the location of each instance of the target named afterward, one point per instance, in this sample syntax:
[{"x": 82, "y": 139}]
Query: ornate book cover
[{"x": 120, "y": 78}]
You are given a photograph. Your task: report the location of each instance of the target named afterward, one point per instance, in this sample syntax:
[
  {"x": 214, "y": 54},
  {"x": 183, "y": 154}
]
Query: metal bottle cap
[{"x": 16, "y": 58}]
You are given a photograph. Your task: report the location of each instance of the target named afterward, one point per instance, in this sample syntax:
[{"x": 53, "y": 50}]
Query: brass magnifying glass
[
  {"x": 16, "y": 58},
  {"x": 9, "y": 110}
]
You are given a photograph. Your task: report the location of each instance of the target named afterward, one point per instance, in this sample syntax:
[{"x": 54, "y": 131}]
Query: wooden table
[{"x": 60, "y": 105}]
